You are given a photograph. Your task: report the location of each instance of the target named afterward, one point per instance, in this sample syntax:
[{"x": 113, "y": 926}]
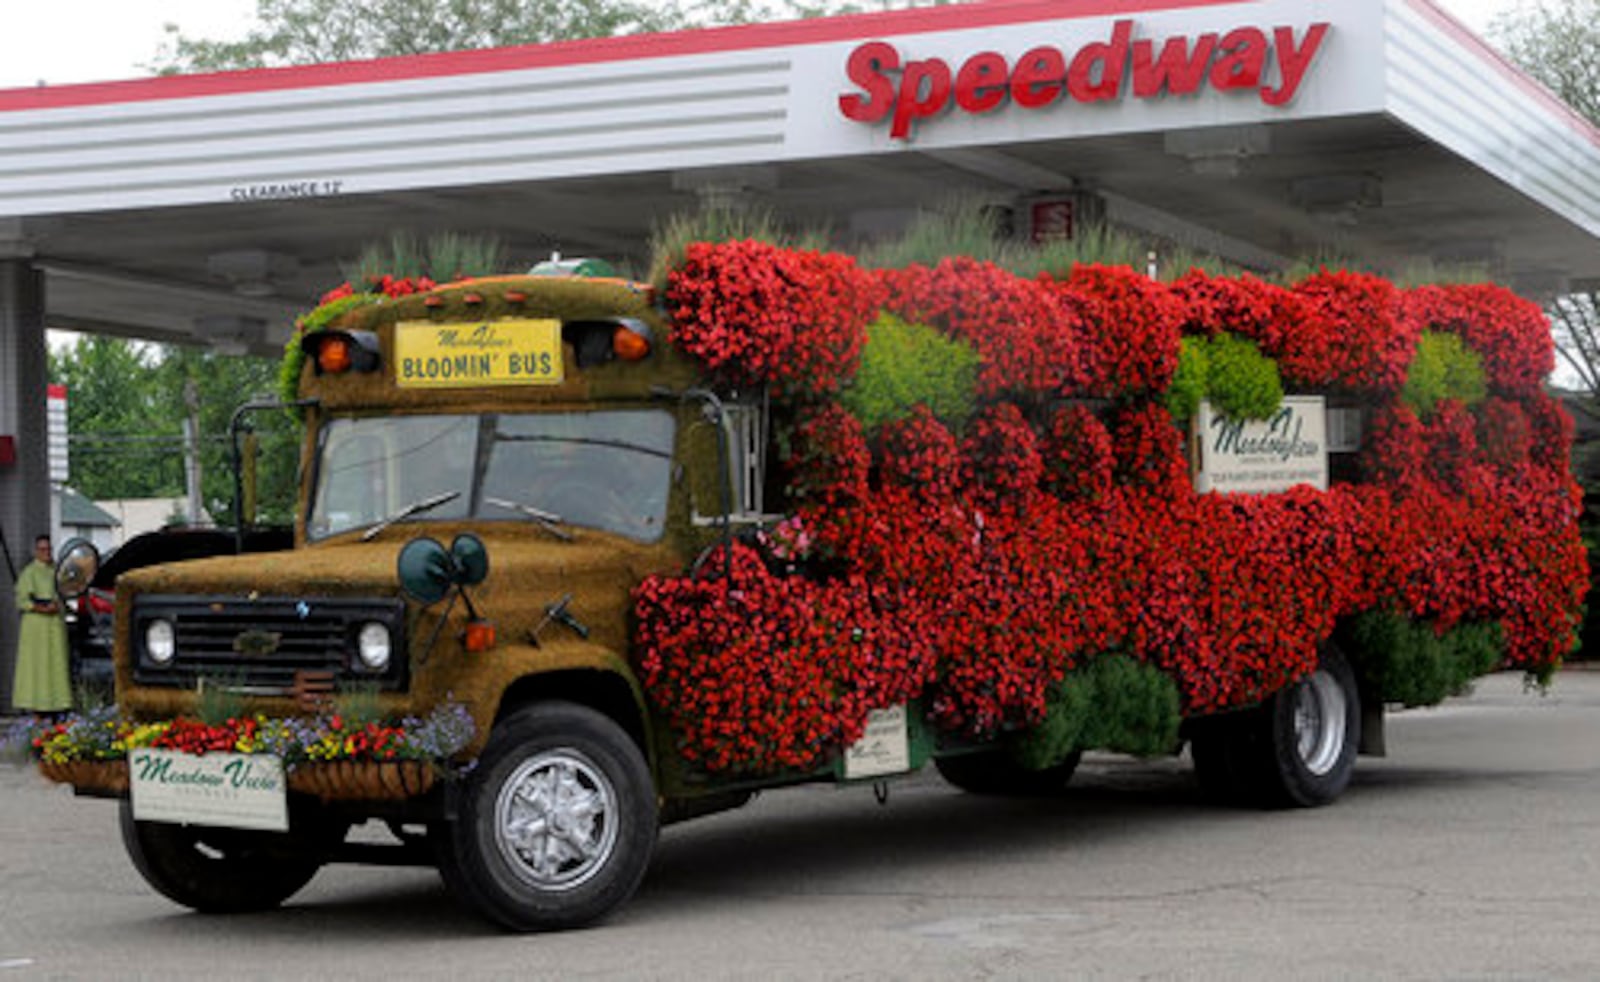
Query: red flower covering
[
  {"x": 1500, "y": 550},
  {"x": 1233, "y": 594},
  {"x": 1452, "y": 435},
  {"x": 1284, "y": 325},
  {"x": 1369, "y": 347},
  {"x": 1013, "y": 627},
  {"x": 755, "y": 314},
  {"x": 1511, "y": 333},
  {"x": 337, "y": 293},
  {"x": 1395, "y": 453},
  {"x": 1002, "y": 455},
  {"x": 761, "y": 673},
  {"x": 1078, "y": 456},
  {"x": 831, "y": 460},
  {"x": 973, "y": 573},
  {"x": 389, "y": 286},
  {"x": 1552, "y": 432},
  {"x": 1505, "y": 434},
  {"x": 919, "y": 453},
  {"x": 1148, "y": 450},
  {"x": 194, "y": 737},
  {"x": 1128, "y": 328},
  {"x": 1028, "y": 340}
]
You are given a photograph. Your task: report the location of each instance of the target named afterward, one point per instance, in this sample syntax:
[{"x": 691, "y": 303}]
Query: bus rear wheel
[{"x": 1296, "y": 750}]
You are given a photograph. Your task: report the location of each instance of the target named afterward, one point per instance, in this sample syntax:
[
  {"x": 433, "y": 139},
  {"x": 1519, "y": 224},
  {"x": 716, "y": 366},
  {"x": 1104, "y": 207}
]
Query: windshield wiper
[
  {"x": 415, "y": 508},
  {"x": 547, "y": 520},
  {"x": 587, "y": 441}
]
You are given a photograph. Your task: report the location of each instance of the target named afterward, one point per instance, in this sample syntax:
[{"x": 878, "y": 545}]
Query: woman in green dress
[{"x": 42, "y": 683}]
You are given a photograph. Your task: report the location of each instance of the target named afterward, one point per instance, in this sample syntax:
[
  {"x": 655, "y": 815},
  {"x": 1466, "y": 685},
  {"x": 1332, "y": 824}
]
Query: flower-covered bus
[{"x": 577, "y": 557}]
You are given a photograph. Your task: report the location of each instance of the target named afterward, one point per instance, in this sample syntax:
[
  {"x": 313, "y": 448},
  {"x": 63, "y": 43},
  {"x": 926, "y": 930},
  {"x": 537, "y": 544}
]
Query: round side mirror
[
  {"x": 426, "y": 571},
  {"x": 471, "y": 557},
  {"x": 76, "y": 568}
]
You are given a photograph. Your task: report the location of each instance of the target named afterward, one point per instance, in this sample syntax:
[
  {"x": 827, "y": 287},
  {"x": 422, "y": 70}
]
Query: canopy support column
[{"x": 25, "y": 480}]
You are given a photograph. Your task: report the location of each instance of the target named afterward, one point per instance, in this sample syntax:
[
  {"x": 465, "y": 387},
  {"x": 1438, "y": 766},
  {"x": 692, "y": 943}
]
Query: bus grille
[{"x": 257, "y": 646}]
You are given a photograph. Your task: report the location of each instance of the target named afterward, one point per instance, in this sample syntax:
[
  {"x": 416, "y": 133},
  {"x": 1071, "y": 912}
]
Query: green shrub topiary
[
  {"x": 1408, "y": 662},
  {"x": 1189, "y": 381},
  {"x": 1241, "y": 381},
  {"x": 1113, "y": 703},
  {"x": 1444, "y": 368},
  {"x": 903, "y": 365},
  {"x": 1229, "y": 370}
]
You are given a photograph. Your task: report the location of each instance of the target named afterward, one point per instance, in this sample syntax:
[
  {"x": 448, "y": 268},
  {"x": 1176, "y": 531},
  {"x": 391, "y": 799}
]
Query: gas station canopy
[{"x": 213, "y": 208}]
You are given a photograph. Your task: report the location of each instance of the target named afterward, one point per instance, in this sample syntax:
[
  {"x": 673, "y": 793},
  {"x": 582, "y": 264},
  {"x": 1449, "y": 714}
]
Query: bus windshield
[{"x": 607, "y": 470}]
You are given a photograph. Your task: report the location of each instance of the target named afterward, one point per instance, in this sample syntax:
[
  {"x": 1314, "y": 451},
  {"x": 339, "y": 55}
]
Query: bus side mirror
[{"x": 76, "y": 568}]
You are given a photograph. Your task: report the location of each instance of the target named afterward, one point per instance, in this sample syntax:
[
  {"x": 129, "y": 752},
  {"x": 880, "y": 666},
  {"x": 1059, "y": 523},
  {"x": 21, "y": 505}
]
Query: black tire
[
  {"x": 562, "y": 767},
  {"x": 223, "y": 871},
  {"x": 1296, "y": 750},
  {"x": 1213, "y": 748},
  {"x": 996, "y": 772}
]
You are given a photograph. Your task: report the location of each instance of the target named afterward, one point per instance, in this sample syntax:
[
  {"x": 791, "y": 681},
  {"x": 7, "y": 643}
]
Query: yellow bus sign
[{"x": 451, "y": 356}]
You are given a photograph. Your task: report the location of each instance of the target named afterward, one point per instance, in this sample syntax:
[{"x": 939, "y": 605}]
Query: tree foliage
[
  {"x": 1558, "y": 43},
  {"x": 126, "y": 402},
  {"x": 1577, "y": 325},
  {"x": 298, "y": 32},
  {"x": 291, "y": 32},
  {"x": 122, "y": 441}
]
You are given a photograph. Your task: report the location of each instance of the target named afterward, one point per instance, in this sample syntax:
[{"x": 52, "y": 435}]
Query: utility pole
[{"x": 191, "y": 449}]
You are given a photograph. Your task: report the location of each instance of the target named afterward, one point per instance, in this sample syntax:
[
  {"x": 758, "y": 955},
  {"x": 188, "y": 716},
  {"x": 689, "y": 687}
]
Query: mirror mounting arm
[{"x": 236, "y": 427}]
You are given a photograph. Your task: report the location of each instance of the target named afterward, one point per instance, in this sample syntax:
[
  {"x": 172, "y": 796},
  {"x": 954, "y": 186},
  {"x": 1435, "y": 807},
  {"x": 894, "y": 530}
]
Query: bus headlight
[
  {"x": 373, "y": 646},
  {"x": 160, "y": 642}
]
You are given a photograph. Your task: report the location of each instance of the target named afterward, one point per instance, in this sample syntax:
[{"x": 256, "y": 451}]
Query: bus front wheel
[{"x": 556, "y": 823}]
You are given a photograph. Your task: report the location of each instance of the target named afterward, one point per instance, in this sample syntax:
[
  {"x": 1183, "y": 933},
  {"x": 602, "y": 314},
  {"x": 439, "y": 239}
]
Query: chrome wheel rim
[
  {"x": 556, "y": 820},
  {"x": 1319, "y": 722}
]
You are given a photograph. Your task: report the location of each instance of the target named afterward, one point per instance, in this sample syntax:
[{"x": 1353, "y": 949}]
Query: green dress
[{"x": 42, "y": 682}]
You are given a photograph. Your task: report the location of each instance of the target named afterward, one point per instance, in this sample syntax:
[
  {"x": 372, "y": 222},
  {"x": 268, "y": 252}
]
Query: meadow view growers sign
[
  {"x": 243, "y": 791},
  {"x": 1259, "y": 456}
]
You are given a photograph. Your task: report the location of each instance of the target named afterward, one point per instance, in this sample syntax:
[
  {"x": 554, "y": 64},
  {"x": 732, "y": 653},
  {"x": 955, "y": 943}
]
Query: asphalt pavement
[{"x": 1472, "y": 851}]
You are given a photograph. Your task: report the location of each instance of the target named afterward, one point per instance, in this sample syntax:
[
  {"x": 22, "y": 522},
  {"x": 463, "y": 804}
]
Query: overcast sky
[{"x": 61, "y": 41}]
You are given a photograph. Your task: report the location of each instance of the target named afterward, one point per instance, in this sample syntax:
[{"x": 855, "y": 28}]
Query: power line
[{"x": 115, "y": 438}]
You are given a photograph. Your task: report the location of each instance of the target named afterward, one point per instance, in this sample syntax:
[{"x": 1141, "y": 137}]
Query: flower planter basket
[
  {"x": 352, "y": 780},
  {"x": 104, "y": 776}
]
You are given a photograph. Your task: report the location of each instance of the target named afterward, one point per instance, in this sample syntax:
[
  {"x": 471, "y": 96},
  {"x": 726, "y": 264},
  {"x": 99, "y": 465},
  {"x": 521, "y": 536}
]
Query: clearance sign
[
  {"x": 905, "y": 91},
  {"x": 508, "y": 352}
]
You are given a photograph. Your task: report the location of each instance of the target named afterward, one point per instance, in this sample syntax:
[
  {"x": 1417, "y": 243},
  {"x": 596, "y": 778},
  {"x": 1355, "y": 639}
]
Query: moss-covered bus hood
[{"x": 529, "y": 570}]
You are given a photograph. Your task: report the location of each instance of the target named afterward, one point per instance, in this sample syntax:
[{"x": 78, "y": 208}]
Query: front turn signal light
[{"x": 479, "y": 635}]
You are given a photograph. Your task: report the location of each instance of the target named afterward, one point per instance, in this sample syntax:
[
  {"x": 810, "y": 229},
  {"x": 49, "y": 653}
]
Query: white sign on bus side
[{"x": 1263, "y": 456}]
